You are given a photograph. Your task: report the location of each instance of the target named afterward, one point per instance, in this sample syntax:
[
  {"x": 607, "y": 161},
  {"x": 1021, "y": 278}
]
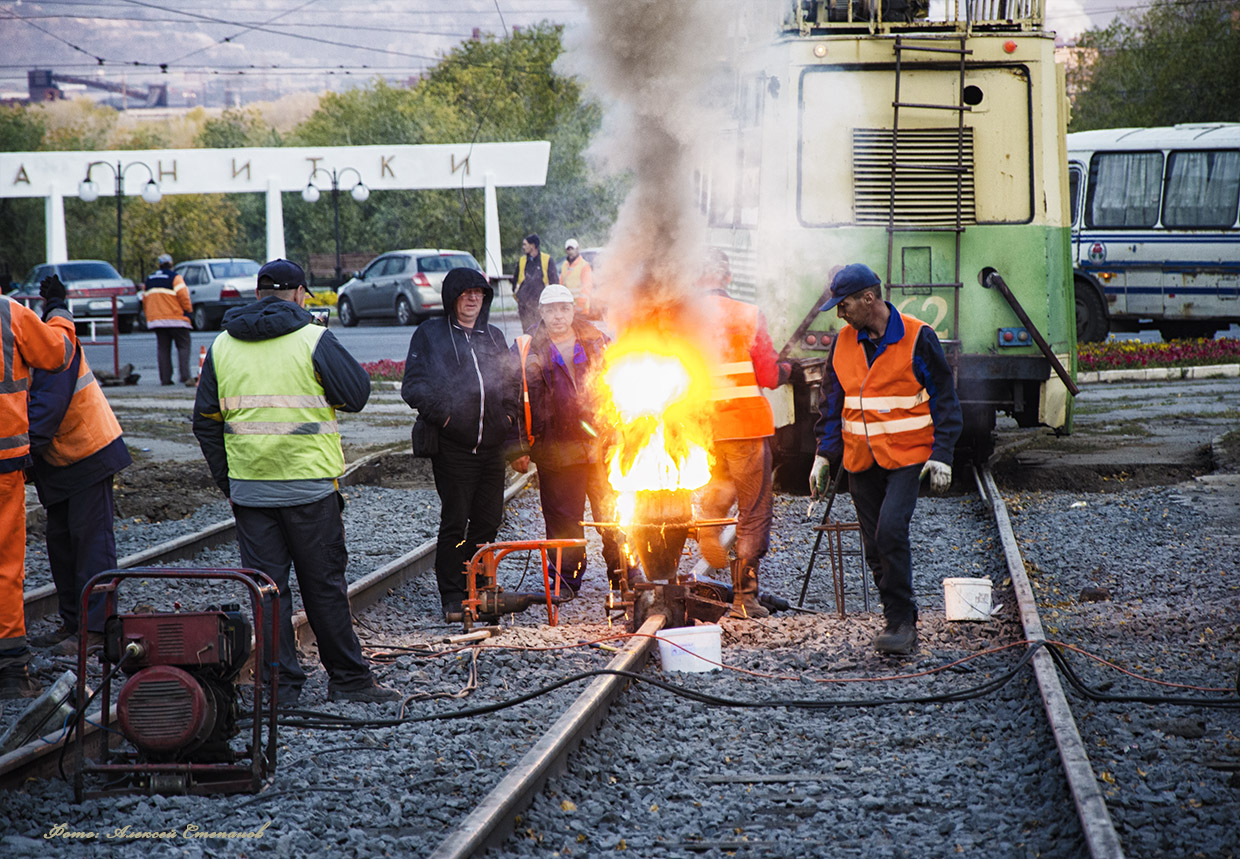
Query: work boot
[
  {"x": 372, "y": 694},
  {"x": 712, "y": 550},
  {"x": 745, "y": 603},
  {"x": 16, "y": 682},
  {"x": 69, "y": 646},
  {"x": 897, "y": 637},
  {"x": 49, "y": 639}
]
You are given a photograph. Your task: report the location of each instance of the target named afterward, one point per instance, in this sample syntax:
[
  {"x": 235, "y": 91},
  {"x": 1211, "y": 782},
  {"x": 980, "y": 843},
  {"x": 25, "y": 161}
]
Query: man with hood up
[
  {"x": 265, "y": 418},
  {"x": 459, "y": 375}
]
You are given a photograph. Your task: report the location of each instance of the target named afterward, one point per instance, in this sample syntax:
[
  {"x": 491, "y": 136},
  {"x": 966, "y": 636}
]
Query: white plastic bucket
[
  {"x": 967, "y": 599},
  {"x": 693, "y": 641}
]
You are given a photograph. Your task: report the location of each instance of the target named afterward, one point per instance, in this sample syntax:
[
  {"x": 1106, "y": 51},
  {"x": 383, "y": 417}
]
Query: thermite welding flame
[{"x": 657, "y": 389}]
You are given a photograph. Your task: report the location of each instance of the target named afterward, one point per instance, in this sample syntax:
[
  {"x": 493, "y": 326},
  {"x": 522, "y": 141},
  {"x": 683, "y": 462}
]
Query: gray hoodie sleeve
[
  {"x": 208, "y": 425},
  {"x": 344, "y": 381}
]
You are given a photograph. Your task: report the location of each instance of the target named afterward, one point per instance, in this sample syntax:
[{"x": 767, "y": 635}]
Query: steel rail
[
  {"x": 41, "y": 758},
  {"x": 1091, "y": 808},
  {"x": 493, "y": 820},
  {"x": 41, "y": 602}
]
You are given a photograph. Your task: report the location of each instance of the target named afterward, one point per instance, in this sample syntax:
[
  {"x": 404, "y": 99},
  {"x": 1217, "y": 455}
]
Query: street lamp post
[
  {"x": 359, "y": 192},
  {"x": 89, "y": 192}
]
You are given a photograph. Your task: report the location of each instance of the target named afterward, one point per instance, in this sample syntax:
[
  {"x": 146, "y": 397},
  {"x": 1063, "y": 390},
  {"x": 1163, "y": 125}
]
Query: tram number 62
[{"x": 935, "y": 305}]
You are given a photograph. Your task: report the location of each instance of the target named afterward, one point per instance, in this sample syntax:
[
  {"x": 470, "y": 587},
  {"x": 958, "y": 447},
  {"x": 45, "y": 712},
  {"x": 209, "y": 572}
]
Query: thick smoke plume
[{"x": 651, "y": 63}]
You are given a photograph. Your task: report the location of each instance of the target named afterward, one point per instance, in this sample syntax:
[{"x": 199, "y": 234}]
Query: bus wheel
[{"x": 1091, "y": 316}]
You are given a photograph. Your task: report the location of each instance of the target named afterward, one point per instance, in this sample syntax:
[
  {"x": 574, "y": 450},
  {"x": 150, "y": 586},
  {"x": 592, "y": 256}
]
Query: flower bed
[
  {"x": 1134, "y": 355},
  {"x": 385, "y": 370}
]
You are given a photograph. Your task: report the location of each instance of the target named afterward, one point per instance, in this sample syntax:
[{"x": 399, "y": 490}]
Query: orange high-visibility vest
[
  {"x": 26, "y": 341},
  {"x": 166, "y": 301},
  {"x": 88, "y": 425},
  {"x": 740, "y": 410},
  {"x": 578, "y": 276},
  {"x": 886, "y": 415},
  {"x": 523, "y": 349}
]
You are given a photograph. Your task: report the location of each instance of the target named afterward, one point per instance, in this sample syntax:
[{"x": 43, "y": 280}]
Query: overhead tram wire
[{"x": 242, "y": 32}]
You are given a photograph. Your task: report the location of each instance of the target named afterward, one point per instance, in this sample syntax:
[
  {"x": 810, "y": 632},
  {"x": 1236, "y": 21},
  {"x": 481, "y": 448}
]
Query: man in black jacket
[
  {"x": 459, "y": 376},
  {"x": 265, "y": 418}
]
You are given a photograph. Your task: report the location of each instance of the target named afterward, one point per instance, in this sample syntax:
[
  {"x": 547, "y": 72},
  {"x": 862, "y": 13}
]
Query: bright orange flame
[{"x": 656, "y": 391}]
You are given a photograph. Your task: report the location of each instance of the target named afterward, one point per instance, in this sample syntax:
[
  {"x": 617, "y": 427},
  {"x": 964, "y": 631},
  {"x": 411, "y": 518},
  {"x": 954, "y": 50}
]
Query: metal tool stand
[{"x": 835, "y": 552}]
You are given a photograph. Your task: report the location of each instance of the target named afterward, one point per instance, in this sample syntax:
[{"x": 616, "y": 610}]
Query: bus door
[{"x": 1120, "y": 243}]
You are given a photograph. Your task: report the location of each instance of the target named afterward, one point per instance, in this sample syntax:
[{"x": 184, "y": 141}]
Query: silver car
[
  {"x": 90, "y": 285},
  {"x": 215, "y": 285},
  {"x": 401, "y": 285}
]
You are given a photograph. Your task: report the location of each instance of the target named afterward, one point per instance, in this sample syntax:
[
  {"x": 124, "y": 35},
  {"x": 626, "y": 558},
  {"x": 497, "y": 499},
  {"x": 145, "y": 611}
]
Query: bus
[
  {"x": 931, "y": 149},
  {"x": 1155, "y": 236}
]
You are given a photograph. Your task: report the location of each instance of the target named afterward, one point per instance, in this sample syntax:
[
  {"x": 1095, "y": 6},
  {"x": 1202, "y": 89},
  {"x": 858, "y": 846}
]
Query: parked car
[
  {"x": 401, "y": 285},
  {"x": 216, "y": 285},
  {"x": 90, "y": 284}
]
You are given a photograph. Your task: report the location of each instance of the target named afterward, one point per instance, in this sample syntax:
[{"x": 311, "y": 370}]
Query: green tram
[{"x": 931, "y": 150}]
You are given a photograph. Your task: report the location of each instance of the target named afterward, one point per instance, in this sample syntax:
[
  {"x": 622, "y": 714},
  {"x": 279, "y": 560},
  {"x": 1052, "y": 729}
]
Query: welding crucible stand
[{"x": 834, "y": 532}]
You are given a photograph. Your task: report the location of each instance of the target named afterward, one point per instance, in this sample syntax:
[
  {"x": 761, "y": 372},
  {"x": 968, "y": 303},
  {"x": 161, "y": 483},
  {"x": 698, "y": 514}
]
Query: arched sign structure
[{"x": 275, "y": 170}]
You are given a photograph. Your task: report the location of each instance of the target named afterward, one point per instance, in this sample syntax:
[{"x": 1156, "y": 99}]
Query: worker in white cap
[{"x": 578, "y": 276}]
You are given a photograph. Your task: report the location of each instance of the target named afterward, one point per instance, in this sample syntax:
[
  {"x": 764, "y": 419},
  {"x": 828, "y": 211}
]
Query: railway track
[{"x": 785, "y": 792}]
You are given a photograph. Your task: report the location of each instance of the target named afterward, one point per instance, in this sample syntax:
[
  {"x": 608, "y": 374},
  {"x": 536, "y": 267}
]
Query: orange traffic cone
[{"x": 202, "y": 359}]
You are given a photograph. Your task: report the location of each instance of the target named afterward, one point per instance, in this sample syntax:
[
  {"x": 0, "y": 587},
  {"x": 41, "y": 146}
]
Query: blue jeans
[
  {"x": 742, "y": 474},
  {"x": 884, "y": 501}
]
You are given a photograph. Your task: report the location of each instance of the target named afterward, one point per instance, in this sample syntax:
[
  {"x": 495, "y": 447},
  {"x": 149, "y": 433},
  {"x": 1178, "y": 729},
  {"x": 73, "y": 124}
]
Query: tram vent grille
[{"x": 926, "y": 190}]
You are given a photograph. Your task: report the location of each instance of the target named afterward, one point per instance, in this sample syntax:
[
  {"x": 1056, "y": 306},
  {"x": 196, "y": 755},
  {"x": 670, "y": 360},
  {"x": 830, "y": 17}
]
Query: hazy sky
[{"x": 293, "y": 44}]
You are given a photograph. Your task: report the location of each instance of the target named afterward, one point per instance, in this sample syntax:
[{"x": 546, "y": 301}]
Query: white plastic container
[
  {"x": 693, "y": 641},
  {"x": 966, "y": 599}
]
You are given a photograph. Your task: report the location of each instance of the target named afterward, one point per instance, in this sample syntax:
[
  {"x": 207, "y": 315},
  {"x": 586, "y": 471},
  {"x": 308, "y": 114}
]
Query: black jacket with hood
[{"x": 463, "y": 380}]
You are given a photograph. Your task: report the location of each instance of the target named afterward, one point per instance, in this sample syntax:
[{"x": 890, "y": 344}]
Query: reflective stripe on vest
[
  {"x": 278, "y": 424},
  {"x": 740, "y": 410},
  {"x": 88, "y": 425},
  {"x": 15, "y": 372},
  {"x": 523, "y": 348},
  {"x": 886, "y": 413}
]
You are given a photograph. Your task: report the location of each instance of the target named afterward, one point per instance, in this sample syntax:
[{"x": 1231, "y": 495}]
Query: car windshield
[
  {"x": 447, "y": 262},
  {"x": 71, "y": 271},
  {"x": 235, "y": 268}
]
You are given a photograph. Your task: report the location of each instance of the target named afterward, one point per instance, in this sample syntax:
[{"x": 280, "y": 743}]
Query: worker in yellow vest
[
  {"x": 742, "y": 425},
  {"x": 888, "y": 411},
  {"x": 535, "y": 270},
  {"x": 265, "y": 418}
]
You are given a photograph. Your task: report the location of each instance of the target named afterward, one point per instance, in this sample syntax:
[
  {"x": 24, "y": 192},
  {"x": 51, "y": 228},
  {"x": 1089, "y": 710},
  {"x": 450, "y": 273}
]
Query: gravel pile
[{"x": 868, "y": 781}]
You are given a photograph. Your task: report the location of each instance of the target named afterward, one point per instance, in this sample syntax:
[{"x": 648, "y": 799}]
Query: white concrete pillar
[
  {"x": 57, "y": 242},
  {"x": 275, "y": 221},
  {"x": 494, "y": 264}
]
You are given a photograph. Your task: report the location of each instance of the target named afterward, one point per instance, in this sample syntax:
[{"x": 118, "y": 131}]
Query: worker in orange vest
[
  {"x": 742, "y": 424},
  {"x": 888, "y": 411},
  {"x": 167, "y": 306},
  {"x": 578, "y": 276},
  {"x": 78, "y": 448},
  {"x": 46, "y": 344}
]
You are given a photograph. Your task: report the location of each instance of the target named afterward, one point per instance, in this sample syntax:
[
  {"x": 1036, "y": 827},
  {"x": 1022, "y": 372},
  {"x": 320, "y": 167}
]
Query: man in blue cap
[{"x": 888, "y": 412}]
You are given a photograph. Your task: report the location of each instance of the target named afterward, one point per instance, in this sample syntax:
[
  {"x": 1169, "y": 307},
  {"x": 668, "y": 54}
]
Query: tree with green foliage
[
  {"x": 1179, "y": 61},
  {"x": 21, "y": 220},
  {"x": 236, "y": 128}
]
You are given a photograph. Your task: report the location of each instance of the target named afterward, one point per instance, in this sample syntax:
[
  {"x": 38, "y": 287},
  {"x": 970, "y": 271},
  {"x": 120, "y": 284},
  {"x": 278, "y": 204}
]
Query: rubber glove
[
  {"x": 940, "y": 475},
  {"x": 819, "y": 475}
]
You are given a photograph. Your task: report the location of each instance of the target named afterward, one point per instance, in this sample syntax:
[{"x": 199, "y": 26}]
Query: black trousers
[
  {"x": 81, "y": 543},
  {"x": 471, "y": 506},
  {"x": 309, "y": 538},
  {"x": 563, "y": 492},
  {"x": 164, "y": 338},
  {"x": 884, "y": 501}
]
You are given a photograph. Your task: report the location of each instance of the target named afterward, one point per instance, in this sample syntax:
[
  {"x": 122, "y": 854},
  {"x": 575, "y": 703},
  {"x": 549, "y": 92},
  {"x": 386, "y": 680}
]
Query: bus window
[
  {"x": 1202, "y": 189},
  {"x": 1074, "y": 193},
  {"x": 1124, "y": 189}
]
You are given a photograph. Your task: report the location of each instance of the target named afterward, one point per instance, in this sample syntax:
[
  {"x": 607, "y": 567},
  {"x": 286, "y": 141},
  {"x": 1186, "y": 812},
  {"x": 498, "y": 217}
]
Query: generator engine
[{"x": 179, "y": 703}]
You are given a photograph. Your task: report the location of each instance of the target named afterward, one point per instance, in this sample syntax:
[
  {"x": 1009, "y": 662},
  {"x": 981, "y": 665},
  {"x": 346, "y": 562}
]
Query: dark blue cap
[
  {"x": 848, "y": 280},
  {"x": 283, "y": 274}
]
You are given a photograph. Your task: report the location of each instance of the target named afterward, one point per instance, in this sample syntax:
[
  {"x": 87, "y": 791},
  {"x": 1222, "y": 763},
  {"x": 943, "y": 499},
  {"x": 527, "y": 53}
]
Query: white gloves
[
  {"x": 940, "y": 475},
  {"x": 819, "y": 476}
]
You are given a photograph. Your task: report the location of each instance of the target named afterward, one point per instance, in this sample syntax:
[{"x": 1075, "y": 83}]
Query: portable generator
[{"x": 178, "y": 707}]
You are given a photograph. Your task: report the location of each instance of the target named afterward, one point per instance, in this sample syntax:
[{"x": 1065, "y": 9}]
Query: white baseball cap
[
  {"x": 571, "y": 243},
  {"x": 555, "y": 294}
]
